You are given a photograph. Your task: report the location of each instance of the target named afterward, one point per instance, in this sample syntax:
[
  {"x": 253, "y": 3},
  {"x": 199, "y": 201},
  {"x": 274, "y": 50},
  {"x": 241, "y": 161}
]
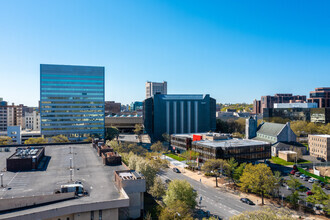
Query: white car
[
  {"x": 311, "y": 180},
  {"x": 288, "y": 187}
]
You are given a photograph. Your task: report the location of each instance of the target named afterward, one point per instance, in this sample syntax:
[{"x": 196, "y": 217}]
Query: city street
[{"x": 221, "y": 204}]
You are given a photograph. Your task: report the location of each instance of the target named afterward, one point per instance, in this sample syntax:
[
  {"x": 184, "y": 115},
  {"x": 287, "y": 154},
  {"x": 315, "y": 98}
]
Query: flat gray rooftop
[
  {"x": 229, "y": 143},
  {"x": 97, "y": 179}
]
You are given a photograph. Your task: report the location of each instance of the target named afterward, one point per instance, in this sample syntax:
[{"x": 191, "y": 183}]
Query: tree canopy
[
  {"x": 111, "y": 133},
  {"x": 214, "y": 166},
  {"x": 176, "y": 210},
  {"x": 257, "y": 178},
  {"x": 319, "y": 196},
  {"x": 39, "y": 140},
  {"x": 265, "y": 213},
  {"x": 60, "y": 139},
  {"x": 180, "y": 190},
  {"x": 158, "y": 147},
  {"x": 5, "y": 140}
]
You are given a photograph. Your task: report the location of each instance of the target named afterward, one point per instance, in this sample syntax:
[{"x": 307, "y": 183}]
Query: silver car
[{"x": 311, "y": 180}]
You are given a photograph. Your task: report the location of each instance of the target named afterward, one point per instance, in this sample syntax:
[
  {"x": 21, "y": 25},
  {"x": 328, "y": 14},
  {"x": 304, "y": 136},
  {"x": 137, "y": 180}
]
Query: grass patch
[
  {"x": 175, "y": 157},
  {"x": 282, "y": 162},
  {"x": 301, "y": 170}
]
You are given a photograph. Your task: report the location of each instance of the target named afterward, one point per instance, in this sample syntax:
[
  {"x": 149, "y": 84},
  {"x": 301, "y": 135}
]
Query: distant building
[
  {"x": 155, "y": 87},
  {"x": 3, "y": 115},
  {"x": 31, "y": 121},
  {"x": 251, "y": 127},
  {"x": 136, "y": 106},
  {"x": 124, "y": 123},
  {"x": 295, "y": 105},
  {"x": 112, "y": 107},
  {"x": 178, "y": 114},
  {"x": 319, "y": 146},
  {"x": 15, "y": 115},
  {"x": 14, "y": 132},
  {"x": 72, "y": 101},
  {"x": 283, "y": 115},
  {"x": 221, "y": 146},
  {"x": 269, "y": 101},
  {"x": 321, "y": 96}
]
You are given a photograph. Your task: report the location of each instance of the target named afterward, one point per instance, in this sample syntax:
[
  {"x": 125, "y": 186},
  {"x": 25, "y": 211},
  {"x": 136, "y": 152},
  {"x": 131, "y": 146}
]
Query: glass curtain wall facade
[{"x": 72, "y": 101}]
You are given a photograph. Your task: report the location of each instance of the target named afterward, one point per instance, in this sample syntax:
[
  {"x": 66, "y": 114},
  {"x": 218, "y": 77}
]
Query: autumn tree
[
  {"x": 180, "y": 190},
  {"x": 39, "y": 140},
  {"x": 265, "y": 213},
  {"x": 293, "y": 183},
  {"x": 214, "y": 166},
  {"x": 158, "y": 147},
  {"x": 239, "y": 172},
  {"x": 257, "y": 178},
  {"x": 176, "y": 210},
  {"x": 59, "y": 139},
  {"x": 5, "y": 140},
  {"x": 319, "y": 196},
  {"x": 158, "y": 189}
]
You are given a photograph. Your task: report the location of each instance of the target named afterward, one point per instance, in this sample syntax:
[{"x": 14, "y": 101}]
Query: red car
[
  {"x": 309, "y": 193},
  {"x": 293, "y": 172}
]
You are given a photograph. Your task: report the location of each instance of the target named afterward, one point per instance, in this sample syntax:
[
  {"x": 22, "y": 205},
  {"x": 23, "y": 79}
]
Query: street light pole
[{"x": 1, "y": 179}]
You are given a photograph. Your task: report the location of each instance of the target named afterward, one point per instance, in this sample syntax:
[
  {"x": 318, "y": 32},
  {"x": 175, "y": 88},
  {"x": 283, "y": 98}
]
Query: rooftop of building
[
  {"x": 26, "y": 152},
  {"x": 190, "y": 135},
  {"x": 321, "y": 135},
  {"x": 181, "y": 96},
  {"x": 270, "y": 129},
  {"x": 230, "y": 143},
  {"x": 129, "y": 175},
  {"x": 287, "y": 152},
  {"x": 97, "y": 179}
]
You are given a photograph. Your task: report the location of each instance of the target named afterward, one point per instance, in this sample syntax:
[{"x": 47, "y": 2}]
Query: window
[
  {"x": 100, "y": 214},
  {"x": 92, "y": 215}
]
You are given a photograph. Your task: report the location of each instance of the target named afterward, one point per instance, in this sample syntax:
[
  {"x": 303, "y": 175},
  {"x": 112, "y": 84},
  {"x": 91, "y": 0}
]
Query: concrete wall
[
  {"x": 21, "y": 202},
  {"x": 111, "y": 214}
]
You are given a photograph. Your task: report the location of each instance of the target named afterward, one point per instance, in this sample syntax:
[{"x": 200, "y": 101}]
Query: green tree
[
  {"x": 293, "y": 183},
  {"x": 158, "y": 147},
  {"x": 239, "y": 172},
  {"x": 319, "y": 196},
  {"x": 176, "y": 210},
  {"x": 111, "y": 133},
  {"x": 138, "y": 130},
  {"x": 158, "y": 189},
  {"x": 89, "y": 139},
  {"x": 180, "y": 190},
  {"x": 257, "y": 178},
  {"x": 5, "y": 140},
  {"x": 166, "y": 137},
  {"x": 39, "y": 140},
  {"x": 60, "y": 139},
  {"x": 230, "y": 168},
  {"x": 265, "y": 214},
  {"x": 214, "y": 166},
  {"x": 190, "y": 155}
]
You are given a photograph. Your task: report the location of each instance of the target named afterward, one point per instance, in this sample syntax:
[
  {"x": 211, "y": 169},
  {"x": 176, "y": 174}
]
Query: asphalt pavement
[{"x": 218, "y": 203}]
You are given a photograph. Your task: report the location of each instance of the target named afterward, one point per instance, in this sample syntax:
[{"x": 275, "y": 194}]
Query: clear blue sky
[{"x": 234, "y": 50}]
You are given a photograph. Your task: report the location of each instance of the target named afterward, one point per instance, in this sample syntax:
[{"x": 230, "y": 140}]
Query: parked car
[
  {"x": 322, "y": 184},
  {"x": 311, "y": 180},
  {"x": 288, "y": 187},
  {"x": 176, "y": 170},
  {"x": 297, "y": 174},
  {"x": 309, "y": 193},
  {"x": 306, "y": 178},
  {"x": 322, "y": 160},
  {"x": 302, "y": 176},
  {"x": 167, "y": 181},
  {"x": 247, "y": 201},
  {"x": 303, "y": 188},
  {"x": 327, "y": 187},
  {"x": 293, "y": 172}
]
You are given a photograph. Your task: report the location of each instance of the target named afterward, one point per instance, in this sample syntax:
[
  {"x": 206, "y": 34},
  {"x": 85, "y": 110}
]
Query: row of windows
[
  {"x": 58, "y": 107},
  {"x": 72, "y": 93},
  {"x": 70, "y": 119},
  {"x": 71, "y": 76},
  {"x": 44, "y": 125},
  {"x": 52, "y": 98},
  {"x": 72, "y": 88},
  {"x": 72, "y": 129},
  {"x": 70, "y": 102},
  {"x": 71, "y": 80},
  {"x": 70, "y": 111},
  {"x": 94, "y": 98},
  {"x": 71, "y": 84}
]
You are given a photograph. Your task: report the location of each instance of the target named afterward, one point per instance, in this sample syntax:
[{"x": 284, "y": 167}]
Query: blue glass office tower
[{"x": 72, "y": 101}]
